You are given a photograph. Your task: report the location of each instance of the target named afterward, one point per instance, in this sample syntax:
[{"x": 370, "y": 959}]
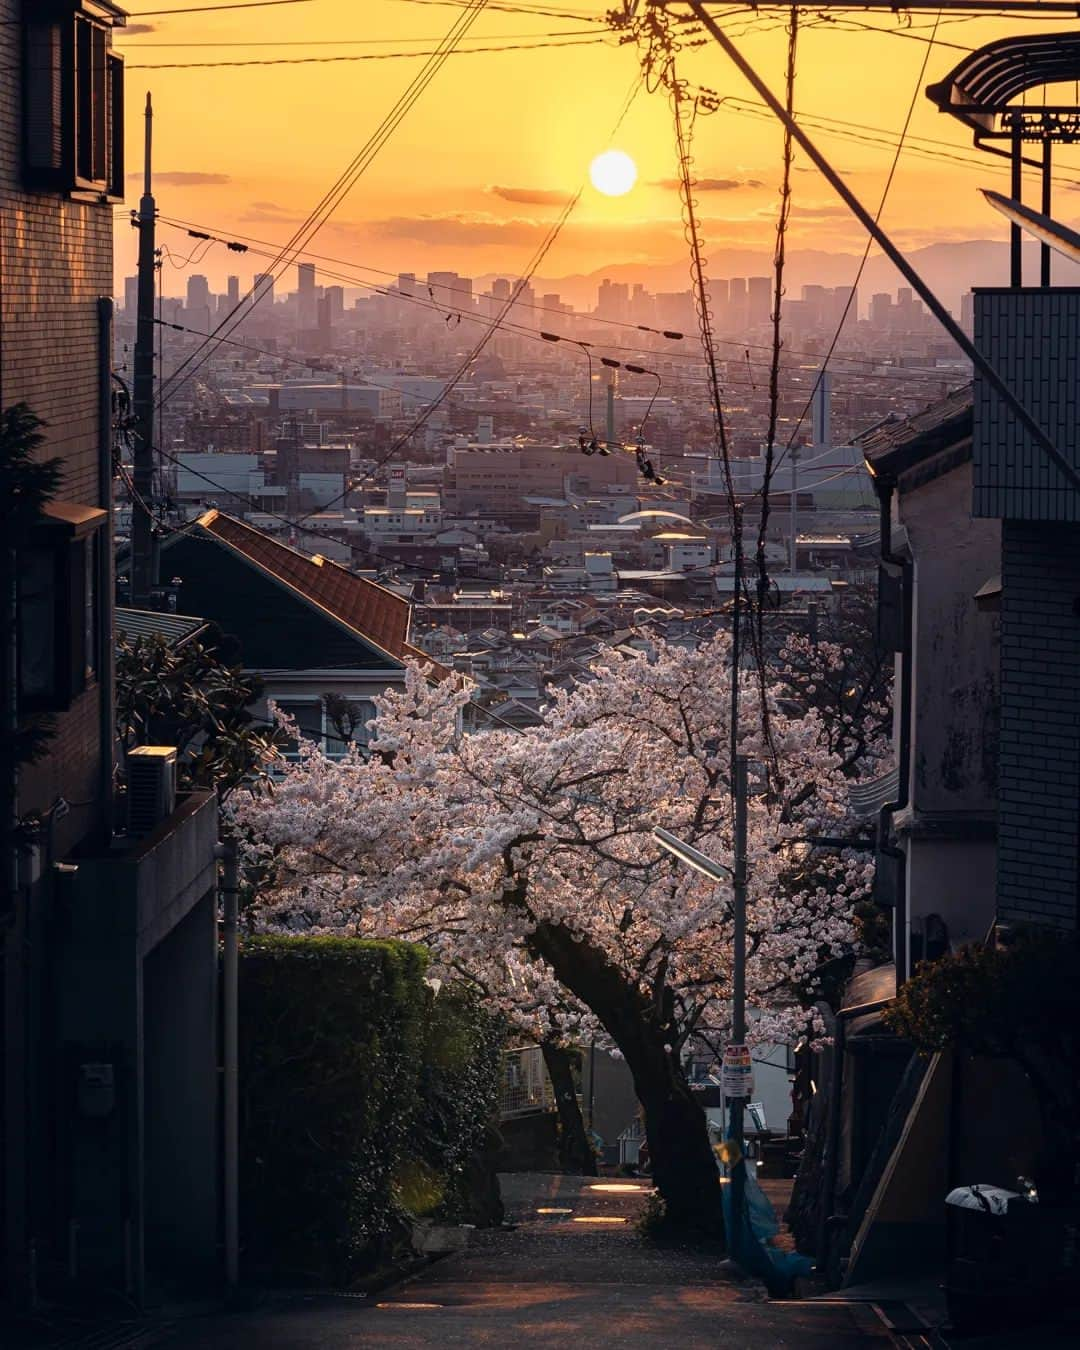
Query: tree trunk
[
  {"x": 680, "y": 1151},
  {"x": 683, "y": 1164},
  {"x": 575, "y": 1152}
]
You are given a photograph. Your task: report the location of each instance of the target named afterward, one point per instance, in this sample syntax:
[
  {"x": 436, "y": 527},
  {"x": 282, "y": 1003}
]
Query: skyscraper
[
  {"x": 263, "y": 291},
  {"x": 198, "y": 292},
  {"x": 758, "y": 300},
  {"x": 305, "y": 299}
]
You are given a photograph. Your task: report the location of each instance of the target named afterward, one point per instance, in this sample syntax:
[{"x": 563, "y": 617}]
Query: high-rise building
[
  {"x": 500, "y": 288},
  {"x": 406, "y": 283},
  {"x": 232, "y": 291},
  {"x": 613, "y": 300},
  {"x": 881, "y": 308},
  {"x": 736, "y": 310},
  {"x": 335, "y": 304},
  {"x": 306, "y": 315},
  {"x": 262, "y": 292},
  {"x": 131, "y": 297},
  {"x": 198, "y": 291},
  {"x": 758, "y": 300}
]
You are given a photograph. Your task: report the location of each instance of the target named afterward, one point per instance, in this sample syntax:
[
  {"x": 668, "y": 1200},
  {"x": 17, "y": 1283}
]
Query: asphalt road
[{"x": 574, "y": 1274}]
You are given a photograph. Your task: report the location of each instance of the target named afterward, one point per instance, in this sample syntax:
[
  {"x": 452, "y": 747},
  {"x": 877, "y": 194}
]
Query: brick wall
[
  {"x": 55, "y": 263},
  {"x": 1039, "y": 824}
]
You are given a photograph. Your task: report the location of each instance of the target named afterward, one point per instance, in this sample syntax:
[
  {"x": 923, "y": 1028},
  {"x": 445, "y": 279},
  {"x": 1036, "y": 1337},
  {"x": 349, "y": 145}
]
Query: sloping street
[{"x": 573, "y": 1271}]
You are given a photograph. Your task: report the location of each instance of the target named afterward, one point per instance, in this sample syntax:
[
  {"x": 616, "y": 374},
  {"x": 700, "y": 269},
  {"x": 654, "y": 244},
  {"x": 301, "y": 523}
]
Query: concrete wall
[
  {"x": 179, "y": 983},
  {"x": 955, "y": 657},
  {"x": 948, "y": 831},
  {"x": 136, "y": 961}
]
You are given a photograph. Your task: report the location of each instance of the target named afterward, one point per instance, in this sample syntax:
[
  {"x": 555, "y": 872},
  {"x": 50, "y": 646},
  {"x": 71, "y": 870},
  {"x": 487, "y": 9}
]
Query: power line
[
  {"x": 210, "y": 9},
  {"x": 502, "y": 7},
  {"x": 138, "y": 43},
  {"x": 388, "y": 293},
  {"x": 344, "y": 184},
  {"x": 869, "y": 241},
  {"x": 362, "y": 56},
  {"x": 253, "y": 505},
  {"x": 542, "y": 336}
]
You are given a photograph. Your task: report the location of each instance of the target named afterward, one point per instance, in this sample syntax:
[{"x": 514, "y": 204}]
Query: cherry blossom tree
[{"x": 525, "y": 861}]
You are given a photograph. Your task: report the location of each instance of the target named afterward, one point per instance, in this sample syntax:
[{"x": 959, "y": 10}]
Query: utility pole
[
  {"x": 738, "y": 991},
  {"x": 794, "y": 509},
  {"x": 143, "y": 572}
]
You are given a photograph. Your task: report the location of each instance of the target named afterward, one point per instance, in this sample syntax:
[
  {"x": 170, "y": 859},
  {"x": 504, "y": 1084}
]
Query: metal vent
[{"x": 151, "y": 771}]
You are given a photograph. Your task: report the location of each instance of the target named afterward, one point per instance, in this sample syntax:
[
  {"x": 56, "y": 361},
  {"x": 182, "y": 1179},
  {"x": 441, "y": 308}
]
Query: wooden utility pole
[{"x": 143, "y": 577}]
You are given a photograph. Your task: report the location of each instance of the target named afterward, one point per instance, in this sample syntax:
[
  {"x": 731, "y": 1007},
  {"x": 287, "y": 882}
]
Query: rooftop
[{"x": 370, "y": 611}]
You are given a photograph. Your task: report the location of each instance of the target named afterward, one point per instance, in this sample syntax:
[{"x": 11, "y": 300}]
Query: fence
[{"x": 524, "y": 1084}]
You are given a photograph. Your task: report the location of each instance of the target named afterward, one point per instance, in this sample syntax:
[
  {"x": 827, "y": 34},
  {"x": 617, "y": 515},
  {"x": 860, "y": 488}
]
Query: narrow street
[{"x": 574, "y": 1271}]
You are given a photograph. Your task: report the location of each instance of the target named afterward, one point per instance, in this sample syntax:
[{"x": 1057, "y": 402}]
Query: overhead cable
[{"x": 344, "y": 184}]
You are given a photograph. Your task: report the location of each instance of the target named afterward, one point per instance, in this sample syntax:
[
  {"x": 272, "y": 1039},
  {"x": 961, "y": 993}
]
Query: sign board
[{"x": 737, "y": 1071}]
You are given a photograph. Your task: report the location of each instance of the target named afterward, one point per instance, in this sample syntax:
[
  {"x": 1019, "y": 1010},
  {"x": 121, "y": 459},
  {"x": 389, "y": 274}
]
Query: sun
[{"x": 613, "y": 173}]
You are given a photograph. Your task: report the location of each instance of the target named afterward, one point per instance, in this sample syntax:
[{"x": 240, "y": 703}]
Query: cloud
[
  {"x": 530, "y": 196},
  {"x": 712, "y": 184},
  {"x": 185, "y": 178},
  {"x": 812, "y": 212},
  {"x": 136, "y": 30},
  {"x": 460, "y": 228}
]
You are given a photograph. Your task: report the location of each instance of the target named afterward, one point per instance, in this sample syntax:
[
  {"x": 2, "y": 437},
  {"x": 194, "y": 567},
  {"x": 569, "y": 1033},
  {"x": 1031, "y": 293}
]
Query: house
[
  {"x": 937, "y": 859},
  {"x": 108, "y": 962},
  {"x": 324, "y": 641},
  {"x": 980, "y": 534}
]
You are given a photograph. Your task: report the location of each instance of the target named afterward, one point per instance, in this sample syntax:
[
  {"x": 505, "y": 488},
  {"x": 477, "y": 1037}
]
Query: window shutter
[{"x": 44, "y": 104}]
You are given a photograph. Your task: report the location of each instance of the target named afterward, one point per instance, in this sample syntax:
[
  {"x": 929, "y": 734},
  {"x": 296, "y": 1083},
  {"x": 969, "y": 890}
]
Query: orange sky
[{"x": 468, "y": 180}]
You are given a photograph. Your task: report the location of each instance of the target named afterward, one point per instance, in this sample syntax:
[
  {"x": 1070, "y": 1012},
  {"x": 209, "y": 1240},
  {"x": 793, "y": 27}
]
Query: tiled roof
[
  {"x": 903, "y": 442},
  {"x": 376, "y": 615}
]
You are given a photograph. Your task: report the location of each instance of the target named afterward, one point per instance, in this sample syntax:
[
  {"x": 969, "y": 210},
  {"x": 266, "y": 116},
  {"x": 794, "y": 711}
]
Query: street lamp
[
  {"x": 716, "y": 871},
  {"x": 692, "y": 857}
]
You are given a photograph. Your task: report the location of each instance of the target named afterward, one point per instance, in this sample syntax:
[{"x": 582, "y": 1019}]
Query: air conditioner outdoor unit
[{"x": 151, "y": 795}]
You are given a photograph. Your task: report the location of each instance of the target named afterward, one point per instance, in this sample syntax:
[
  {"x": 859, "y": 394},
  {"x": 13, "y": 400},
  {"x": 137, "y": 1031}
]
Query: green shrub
[
  {"x": 458, "y": 1087},
  {"x": 364, "y": 1097},
  {"x": 331, "y": 1044}
]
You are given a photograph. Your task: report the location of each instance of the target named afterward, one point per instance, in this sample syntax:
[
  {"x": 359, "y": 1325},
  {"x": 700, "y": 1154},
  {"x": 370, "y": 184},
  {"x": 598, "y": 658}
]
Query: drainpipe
[
  {"x": 106, "y": 655},
  {"x": 901, "y": 942},
  {"x": 230, "y": 880}
]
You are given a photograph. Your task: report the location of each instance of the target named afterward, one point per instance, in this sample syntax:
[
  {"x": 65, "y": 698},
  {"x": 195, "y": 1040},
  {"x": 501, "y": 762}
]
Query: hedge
[{"x": 363, "y": 1097}]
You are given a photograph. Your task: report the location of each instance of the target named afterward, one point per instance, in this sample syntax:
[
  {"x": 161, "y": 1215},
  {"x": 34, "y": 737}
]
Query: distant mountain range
[{"x": 949, "y": 268}]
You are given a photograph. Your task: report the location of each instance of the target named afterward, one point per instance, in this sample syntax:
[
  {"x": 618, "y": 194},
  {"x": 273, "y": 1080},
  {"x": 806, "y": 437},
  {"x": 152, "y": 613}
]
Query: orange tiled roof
[{"x": 369, "y": 610}]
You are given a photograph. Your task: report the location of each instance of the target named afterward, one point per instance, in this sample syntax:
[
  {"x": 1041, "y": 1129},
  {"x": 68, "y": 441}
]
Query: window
[
  {"x": 58, "y": 619},
  {"x": 73, "y": 99},
  {"x": 346, "y": 722},
  {"x": 308, "y": 716}
]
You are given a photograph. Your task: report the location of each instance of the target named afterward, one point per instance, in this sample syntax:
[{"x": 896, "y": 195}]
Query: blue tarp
[{"x": 749, "y": 1234}]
